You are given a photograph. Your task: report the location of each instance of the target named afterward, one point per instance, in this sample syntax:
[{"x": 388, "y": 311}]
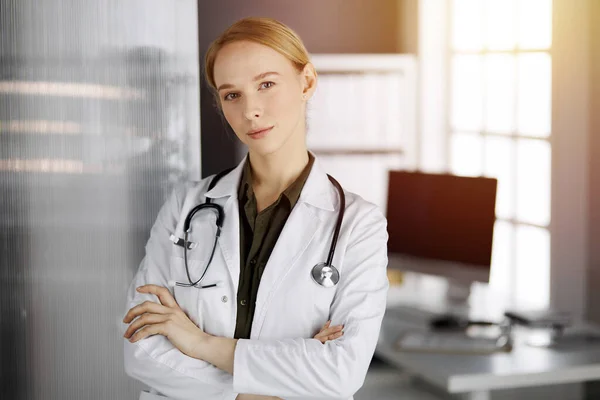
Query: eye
[
  {"x": 266, "y": 85},
  {"x": 230, "y": 96}
]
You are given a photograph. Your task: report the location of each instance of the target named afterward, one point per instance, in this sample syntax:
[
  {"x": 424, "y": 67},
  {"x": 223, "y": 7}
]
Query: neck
[{"x": 273, "y": 173}]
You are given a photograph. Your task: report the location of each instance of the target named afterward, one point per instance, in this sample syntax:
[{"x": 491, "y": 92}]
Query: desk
[{"x": 476, "y": 376}]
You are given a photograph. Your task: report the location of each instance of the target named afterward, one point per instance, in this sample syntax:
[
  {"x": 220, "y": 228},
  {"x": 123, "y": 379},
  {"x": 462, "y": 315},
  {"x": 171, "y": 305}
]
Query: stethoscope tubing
[{"x": 219, "y": 223}]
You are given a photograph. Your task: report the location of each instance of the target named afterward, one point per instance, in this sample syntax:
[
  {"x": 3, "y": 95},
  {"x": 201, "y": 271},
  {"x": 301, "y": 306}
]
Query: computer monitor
[{"x": 441, "y": 224}]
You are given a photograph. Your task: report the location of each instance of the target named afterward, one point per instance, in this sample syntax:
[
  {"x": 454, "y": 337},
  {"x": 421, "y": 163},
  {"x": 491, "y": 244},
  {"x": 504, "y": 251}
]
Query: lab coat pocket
[
  {"x": 206, "y": 307},
  {"x": 308, "y": 302},
  {"x": 312, "y": 311},
  {"x": 323, "y": 298},
  {"x": 187, "y": 297}
]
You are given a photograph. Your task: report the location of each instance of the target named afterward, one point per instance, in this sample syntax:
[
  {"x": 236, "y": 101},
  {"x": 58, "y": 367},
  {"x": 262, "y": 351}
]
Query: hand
[
  {"x": 166, "y": 319},
  {"x": 329, "y": 333}
]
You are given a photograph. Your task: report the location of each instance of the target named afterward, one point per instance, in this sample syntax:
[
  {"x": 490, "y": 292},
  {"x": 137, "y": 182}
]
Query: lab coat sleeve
[
  {"x": 307, "y": 368},
  {"x": 154, "y": 360}
]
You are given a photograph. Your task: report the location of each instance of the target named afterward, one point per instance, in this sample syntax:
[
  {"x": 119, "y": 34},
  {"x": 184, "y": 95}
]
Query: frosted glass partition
[{"x": 99, "y": 117}]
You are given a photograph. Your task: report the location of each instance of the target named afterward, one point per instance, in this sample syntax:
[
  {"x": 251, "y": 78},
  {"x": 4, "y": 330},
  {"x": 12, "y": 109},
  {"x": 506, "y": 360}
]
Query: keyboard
[
  {"x": 411, "y": 314},
  {"x": 450, "y": 343}
]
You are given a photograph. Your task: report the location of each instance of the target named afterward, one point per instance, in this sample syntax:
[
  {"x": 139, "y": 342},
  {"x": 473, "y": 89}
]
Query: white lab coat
[{"x": 281, "y": 358}]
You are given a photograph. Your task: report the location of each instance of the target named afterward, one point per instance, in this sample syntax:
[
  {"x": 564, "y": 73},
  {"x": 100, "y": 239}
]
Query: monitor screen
[{"x": 442, "y": 217}]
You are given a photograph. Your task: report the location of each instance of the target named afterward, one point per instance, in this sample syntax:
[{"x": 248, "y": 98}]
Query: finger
[
  {"x": 324, "y": 339},
  {"x": 147, "y": 306},
  {"x": 163, "y": 294},
  {"x": 336, "y": 335},
  {"x": 332, "y": 337},
  {"x": 148, "y": 330},
  {"x": 146, "y": 319},
  {"x": 330, "y": 330},
  {"x": 323, "y": 333},
  {"x": 327, "y": 332}
]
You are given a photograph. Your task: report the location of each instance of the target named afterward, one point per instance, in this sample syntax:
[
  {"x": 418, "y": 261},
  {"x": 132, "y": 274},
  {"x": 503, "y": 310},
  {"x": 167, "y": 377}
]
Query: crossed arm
[
  {"x": 166, "y": 318},
  {"x": 172, "y": 355}
]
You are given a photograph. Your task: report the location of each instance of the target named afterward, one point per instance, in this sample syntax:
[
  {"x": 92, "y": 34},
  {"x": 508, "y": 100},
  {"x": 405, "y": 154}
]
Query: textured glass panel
[
  {"x": 534, "y": 94},
  {"x": 532, "y": 267},
  {"x": 500, "y": 16},
  {"x": 467, "y": 154},
  {"x": 500, "y": 93},
  {"x": 467, "y": 93},
  {"x": 467, "y": 24},
  {"x": 499, "y": 163},
  {"x": 533, "y": 181},
  {"x": 98, "y": 120},
  {"x": 535, "y": 24}
]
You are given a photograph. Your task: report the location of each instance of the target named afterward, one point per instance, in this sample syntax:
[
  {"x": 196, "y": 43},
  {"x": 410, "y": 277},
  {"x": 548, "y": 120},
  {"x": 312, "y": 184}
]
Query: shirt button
[
  {"x": 224, "y": 299},
  {"x": 253, "y": 261},
  {"x": 243, "y": 302}
]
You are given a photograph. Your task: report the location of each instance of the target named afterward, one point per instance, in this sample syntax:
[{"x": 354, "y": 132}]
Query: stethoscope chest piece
[{"x": 325, "y": 275}]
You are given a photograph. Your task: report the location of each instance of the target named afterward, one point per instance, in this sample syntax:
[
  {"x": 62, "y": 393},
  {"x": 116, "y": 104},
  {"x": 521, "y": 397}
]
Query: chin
[
  {"x": 264, "y": 150},
  {"x": 265, "y": 147}
]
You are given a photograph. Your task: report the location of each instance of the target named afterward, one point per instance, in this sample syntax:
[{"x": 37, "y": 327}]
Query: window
[{"x": 499, "y": 117}]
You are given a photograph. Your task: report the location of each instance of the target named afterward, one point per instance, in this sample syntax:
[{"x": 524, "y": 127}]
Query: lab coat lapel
[
  {"x": 314, "y": 204},
  {"x": 229, "y": 242},
  {"x": 225, "y": 194},
  {"x": 295, "y": 237}
]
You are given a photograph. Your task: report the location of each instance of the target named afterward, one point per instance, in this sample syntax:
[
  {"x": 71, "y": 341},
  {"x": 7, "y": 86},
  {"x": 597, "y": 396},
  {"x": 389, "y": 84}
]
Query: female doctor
[{"x": 232, "y": 312}]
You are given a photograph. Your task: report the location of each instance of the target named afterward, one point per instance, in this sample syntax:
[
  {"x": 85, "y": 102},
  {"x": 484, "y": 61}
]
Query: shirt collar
[
  {"x": 318, "y": 191},
  {"x": 292, "y": 192}
]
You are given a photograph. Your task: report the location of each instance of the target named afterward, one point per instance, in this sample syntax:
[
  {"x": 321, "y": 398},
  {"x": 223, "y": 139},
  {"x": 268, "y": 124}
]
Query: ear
[{"x": 309, "y": 81}]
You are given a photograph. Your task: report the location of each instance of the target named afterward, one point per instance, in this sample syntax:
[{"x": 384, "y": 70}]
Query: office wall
[
  {"x": 592, "y": 390},
  {"x": 332, "y": 26},
  {"x": 98, "y": 118},
  {"x": 407, "y": 26},
  {"x": 593, "y": 302}
]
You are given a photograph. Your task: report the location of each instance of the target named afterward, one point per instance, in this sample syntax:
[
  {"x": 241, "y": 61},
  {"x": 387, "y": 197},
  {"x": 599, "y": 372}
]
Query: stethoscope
[{"x": 324, "y": 274}]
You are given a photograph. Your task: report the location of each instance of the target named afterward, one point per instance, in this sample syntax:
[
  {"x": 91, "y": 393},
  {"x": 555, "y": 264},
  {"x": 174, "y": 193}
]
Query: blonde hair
[{"x": 266, "y": 31}]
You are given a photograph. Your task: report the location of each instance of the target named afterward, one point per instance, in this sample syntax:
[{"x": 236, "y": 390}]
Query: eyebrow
[{"x": 256, "y": 78}]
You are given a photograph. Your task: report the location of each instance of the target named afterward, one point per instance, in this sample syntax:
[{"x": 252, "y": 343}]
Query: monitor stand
[
  {"x": 457, "y": 296},
  {"x": 428, "y": 304}
]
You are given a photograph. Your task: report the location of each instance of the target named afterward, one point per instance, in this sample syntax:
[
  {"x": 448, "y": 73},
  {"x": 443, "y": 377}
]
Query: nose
[{"x": 253, "y": 109}]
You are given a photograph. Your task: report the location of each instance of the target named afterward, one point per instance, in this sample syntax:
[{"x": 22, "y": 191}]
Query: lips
[
  {"x": 258, "y": 133},
  {"x": 259, "y": 130}
]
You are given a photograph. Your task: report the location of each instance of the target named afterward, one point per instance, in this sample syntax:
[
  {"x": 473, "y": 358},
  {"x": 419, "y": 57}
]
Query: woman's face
[{"x": 261, "y": 95}]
